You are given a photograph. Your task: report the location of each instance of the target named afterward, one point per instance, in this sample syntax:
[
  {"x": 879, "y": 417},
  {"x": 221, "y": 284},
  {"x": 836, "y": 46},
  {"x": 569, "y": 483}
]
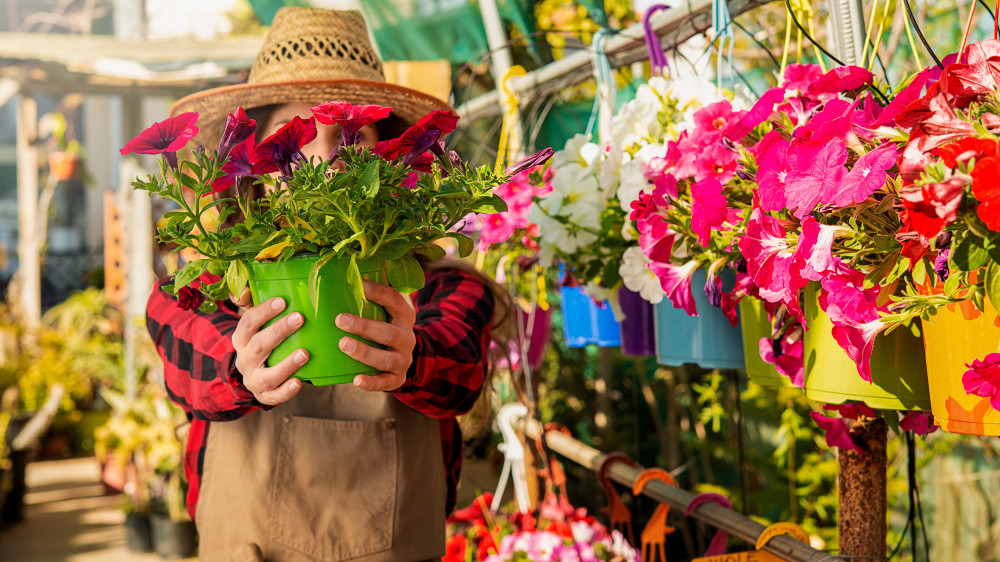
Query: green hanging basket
[
  {"x": 318, "y": 334},
  {"x": 756, "y": 325},
  {"x": 899, "y": 374}
]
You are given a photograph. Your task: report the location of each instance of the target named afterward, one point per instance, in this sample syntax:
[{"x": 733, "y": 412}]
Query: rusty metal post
[{"x": 863, "y": 505}]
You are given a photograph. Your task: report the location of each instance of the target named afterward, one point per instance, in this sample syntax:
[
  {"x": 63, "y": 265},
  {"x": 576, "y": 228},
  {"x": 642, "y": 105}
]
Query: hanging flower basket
[
  {"x": 639, "y": 327},
  {"x": 755, "y": 326},
  {"x": 707, "y": 340},
  {"x": 584, "y": 322},
  {"x": 319, "y": 334},
  {"x": 899, "y": 375},
  {"x": 953, "y": 338}
]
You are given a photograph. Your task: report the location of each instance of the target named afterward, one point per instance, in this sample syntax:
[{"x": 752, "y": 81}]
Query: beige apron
[{"x": 334, "y": 474}]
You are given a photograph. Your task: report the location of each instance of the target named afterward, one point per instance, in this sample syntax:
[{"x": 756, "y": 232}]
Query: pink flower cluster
[{"x": 497, "y": 228}]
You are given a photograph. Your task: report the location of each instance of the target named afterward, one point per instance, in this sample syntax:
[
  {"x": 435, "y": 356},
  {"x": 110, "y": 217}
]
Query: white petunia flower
[{"x": 639, "y": 278}]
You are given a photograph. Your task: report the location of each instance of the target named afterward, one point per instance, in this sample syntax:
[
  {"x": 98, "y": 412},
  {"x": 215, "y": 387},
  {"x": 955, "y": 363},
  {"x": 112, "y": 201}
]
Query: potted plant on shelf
[
  {"x": 173, "y": 531},
  {"x": 64, "y": 161},
  {"x": 320, "y": 231}
]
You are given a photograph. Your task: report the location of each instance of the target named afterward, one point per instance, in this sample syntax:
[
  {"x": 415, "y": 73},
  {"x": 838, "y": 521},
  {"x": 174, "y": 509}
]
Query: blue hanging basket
[
  {"x": 707, "y": 340},
  {"x": 585, "y": 323}
]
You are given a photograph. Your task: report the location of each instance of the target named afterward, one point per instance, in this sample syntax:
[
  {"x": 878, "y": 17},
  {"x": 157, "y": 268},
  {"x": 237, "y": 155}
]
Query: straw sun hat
[{"x": 309, "y": 56}]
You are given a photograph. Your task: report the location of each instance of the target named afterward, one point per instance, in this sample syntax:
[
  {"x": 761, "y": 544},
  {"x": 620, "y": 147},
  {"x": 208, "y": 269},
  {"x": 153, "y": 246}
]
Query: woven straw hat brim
[{"x": 213, "y": 105}]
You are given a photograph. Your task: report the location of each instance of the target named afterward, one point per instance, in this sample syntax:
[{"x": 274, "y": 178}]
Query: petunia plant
[{"x": 388, "y": 204}]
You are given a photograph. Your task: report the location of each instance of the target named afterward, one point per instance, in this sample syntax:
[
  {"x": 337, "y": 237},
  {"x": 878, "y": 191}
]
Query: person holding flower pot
[{"x": 279, "y": 470}]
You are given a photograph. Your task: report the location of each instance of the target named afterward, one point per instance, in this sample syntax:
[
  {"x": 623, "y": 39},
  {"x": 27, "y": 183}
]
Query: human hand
[
  {"x": 270, "y": 385},
  {"x": 396, "y": 335}
]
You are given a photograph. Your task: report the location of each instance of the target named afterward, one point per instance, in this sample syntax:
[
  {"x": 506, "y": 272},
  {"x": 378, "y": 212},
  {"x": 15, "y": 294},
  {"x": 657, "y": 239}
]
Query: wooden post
[
  {"x": 28, "y": 245},
  {"x": 862, "y": 481}
]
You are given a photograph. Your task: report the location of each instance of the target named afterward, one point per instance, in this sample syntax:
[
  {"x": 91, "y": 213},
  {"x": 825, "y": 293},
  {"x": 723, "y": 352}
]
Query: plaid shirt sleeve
[
  {"x": 452, "y": 329},
  {"x": 198, "y": 356}
]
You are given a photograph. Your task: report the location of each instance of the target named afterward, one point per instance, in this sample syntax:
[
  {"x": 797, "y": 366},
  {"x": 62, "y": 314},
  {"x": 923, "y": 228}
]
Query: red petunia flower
[
  {"x": 239, "y": 127},
  {"x": 351, "y": 118},
  {"x": 278, "y": 152},
  {"x": 238, "y": 165},
  {"x": 189, "y": 298},
  {"x": 165, "y": 137},
  {"x": 440, "y": 119},
  {"x": 986, "y": 189},
  {"x": 455, "y": 549},
  {"x": 966, "y": 149}
]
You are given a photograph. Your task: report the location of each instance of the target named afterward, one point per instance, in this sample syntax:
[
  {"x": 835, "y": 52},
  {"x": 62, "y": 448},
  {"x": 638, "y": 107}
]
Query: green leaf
[
  {"x": 395, "y": 249},
  {"x": 465, "y": 244},
  {"x": 314, "y": 279},
  {"x": 208, "y": 307},
  {"x": 969, "y": 254},
  {"x": 992, "y": 284},
  {"x": 354, "y": 285},
  {"x": 951, "y": 285},
  {"x": 190, "y": 272},
  {"x": 236, "y": 277},
  {"x": 493, "y": 204},
  {"x": 252, "y": 244},
  {"x": 919, "y": 272},
  {"x": 432, "y": 251},
  {"x": 369, "y": 181},
  {"x": 406, "y": 275}
]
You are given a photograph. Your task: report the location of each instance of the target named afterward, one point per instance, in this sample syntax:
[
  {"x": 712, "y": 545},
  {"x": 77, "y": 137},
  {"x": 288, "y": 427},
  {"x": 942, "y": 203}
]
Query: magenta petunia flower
[
  {"x": 851, "y": 410},
  {"x": 238, "y": 165},
  {"x": 496, "y": 228},
  {"x": 772, "y": 171},
  {"x": 855, "y": 316},
  {"x": 760, "y": 112},
  {"x": 815, "y": 172},
  {"x": 278, "y": 152},
  {"x": 239, "y": 127},
  {"x": 440, "y": 119},
  {"x": 530, "y": 162},
  {"x": 815, "y": 249},
  {"x": 708, "y": 208},
  {"x": 351, "y": 118},
  {"x": 786, "y": 358},
  {"x": 710, "y": 121},
  {"x": 800, "y": 76},
  {"x": 921, "y": 423},
  {"x": 771, "y": 263},
  {"x": 838, "y": 431},
  {"x": 715, "y": 161},
  {"x": 676, "y": 283},
  {"x": 983, "y": 379},
  {"x": 912, "y": 92},
  {"x": 165, "y": 137},
  {"x": 868, "y": 175},
  {"x": 842, "y": 79},
  {"x": 656, "y": 239}
]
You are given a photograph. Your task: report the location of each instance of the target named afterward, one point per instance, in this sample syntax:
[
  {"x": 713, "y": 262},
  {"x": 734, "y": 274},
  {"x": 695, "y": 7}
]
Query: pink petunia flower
[
  {"x": 842, "y": 79},
  {"x": 772, "y": 171},
  {"x": 921, "y": 423},
  {"x": 814, "y": 252},
  {"x": 715, "y": 161},
  {"x": 789, "y": 362},
  {"x": 838, "y": 431},
  {"x": 676, "y": 283},
  {"x": 496, "y": 228},
  {"x": 771, "y": 263},
  {"x": 983, "y": 379},
  {"x": 851, "y": 410},
  {"x": 800, "y": 76},
  {"x": 708, "y": 208},
  {"x": 855, "y": 315},
  {"x": 815, "y": 173}
]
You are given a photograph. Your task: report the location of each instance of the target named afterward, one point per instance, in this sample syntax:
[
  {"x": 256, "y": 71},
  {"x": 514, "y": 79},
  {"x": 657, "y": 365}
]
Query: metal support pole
[
  {"x": 500, "y": 63},
  {"x": 715, "y": 515},
  {"x": 847, "y": 30},
  {"x": 28, "y": 244}
]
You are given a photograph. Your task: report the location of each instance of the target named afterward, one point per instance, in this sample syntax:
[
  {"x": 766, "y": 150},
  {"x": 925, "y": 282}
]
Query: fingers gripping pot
[{"x": 319, "y": 334}]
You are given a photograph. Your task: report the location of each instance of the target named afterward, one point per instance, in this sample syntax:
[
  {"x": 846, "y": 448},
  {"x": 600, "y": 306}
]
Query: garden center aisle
[{"x": 68, "y": 518}]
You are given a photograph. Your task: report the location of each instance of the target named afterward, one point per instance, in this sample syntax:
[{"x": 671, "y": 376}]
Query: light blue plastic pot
[
  {"x": 707, "y": 340},
  {"x": 585, "y": 323}
]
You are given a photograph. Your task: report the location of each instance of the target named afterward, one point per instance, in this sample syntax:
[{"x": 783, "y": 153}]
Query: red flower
[
  {"x": 165, "y": 137},
  {"x": 440, "y": 119},
  {"x": 238, "y": 165},
  {"x": 930, "y": 208},
  {"x": 474, "y": 511},
  {"x": 239, "y": 128},
  {"x": 281, "y": 150},
  {"x": 351, "y": 118},
  {"x": 189, "y": 298},
  {"x": 986, "y": 189},
  {"x": 455, "y": 549}
]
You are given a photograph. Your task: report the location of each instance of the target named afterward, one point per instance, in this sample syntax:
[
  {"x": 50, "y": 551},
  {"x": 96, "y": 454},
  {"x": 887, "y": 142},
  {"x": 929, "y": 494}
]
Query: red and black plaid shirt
[{"x": 454, "y": 312}]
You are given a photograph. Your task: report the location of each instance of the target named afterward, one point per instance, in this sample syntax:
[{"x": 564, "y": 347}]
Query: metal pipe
[
  {"x": 715, "y": 515},
  {"x": 626, "y": 47}
]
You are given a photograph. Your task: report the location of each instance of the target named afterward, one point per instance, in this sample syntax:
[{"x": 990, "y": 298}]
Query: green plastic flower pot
[
  {"x": 756, "y": 325},
  {"x": 899, "y": 373},
  {"x": 318, "y": 334}
]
